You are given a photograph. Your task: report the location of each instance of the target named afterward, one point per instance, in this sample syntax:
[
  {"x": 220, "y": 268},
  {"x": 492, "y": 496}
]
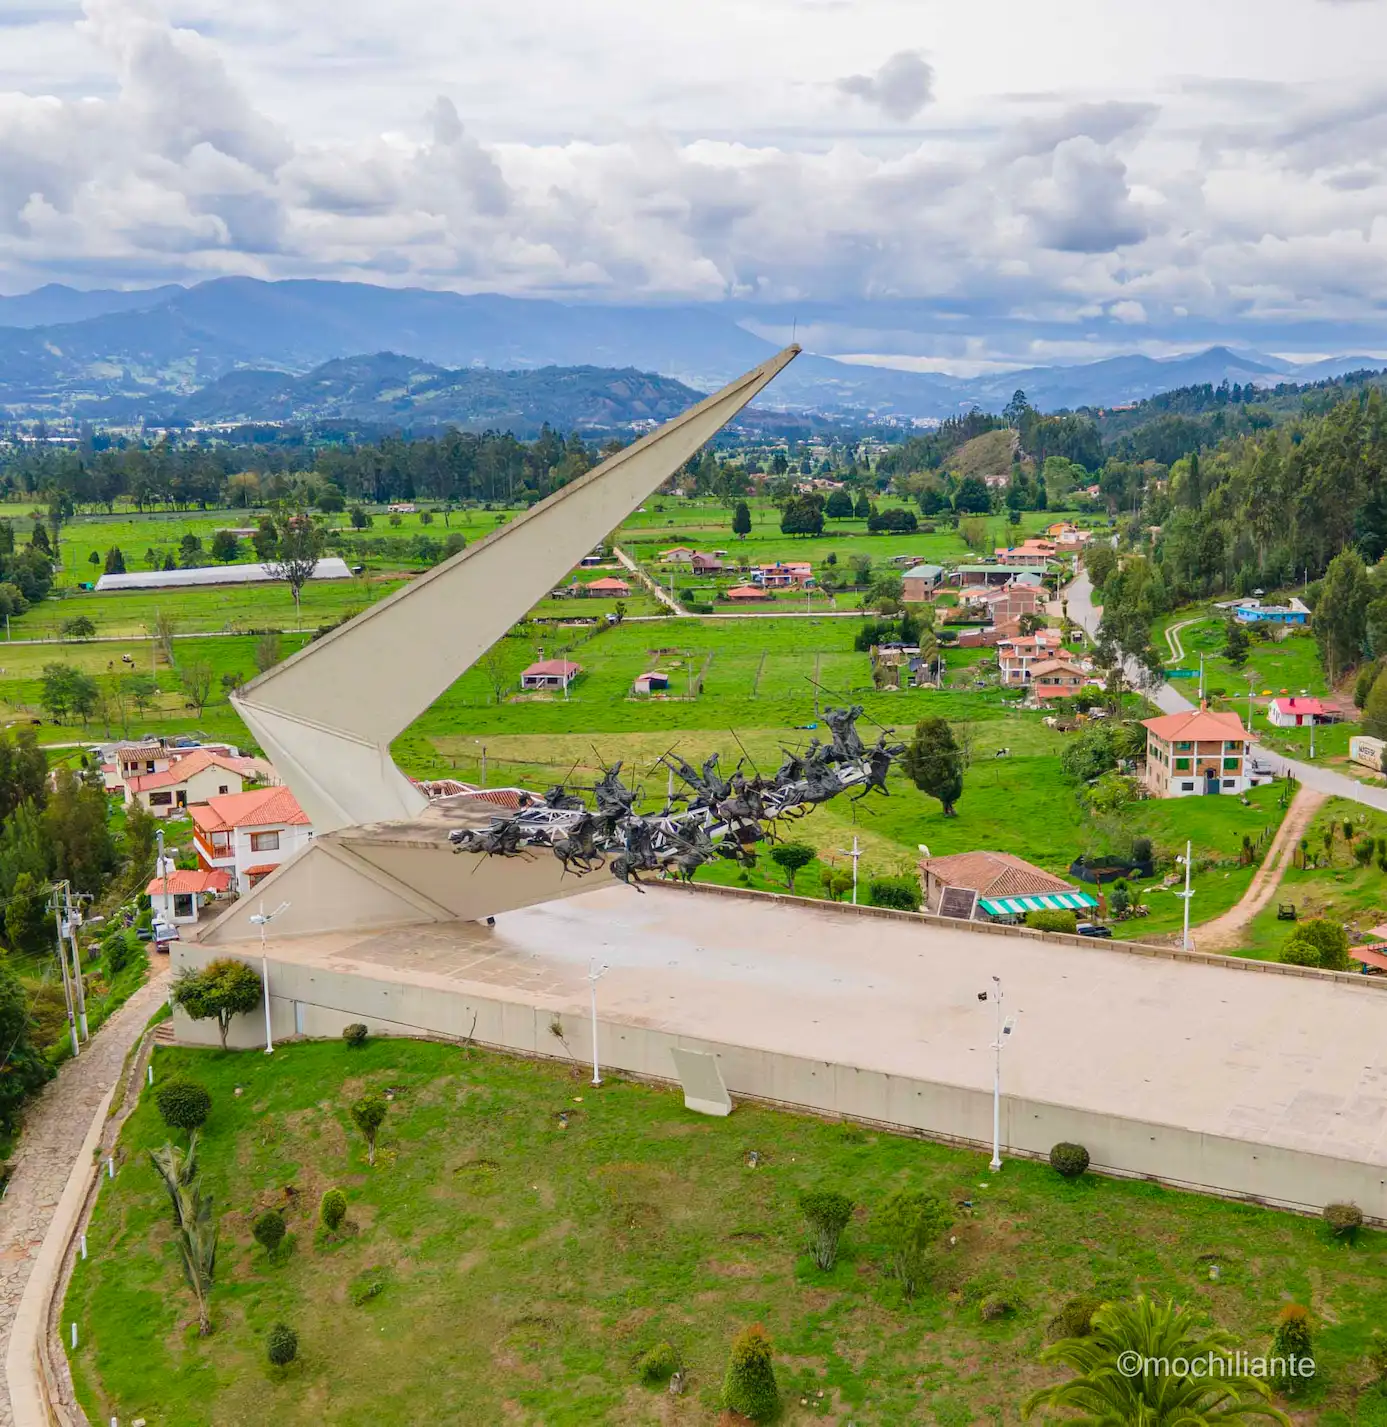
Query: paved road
[
  {"x": 1084, "y": 612},
  {"x": 653, "y": 586},
  {"x": 54, "y": 1129}
]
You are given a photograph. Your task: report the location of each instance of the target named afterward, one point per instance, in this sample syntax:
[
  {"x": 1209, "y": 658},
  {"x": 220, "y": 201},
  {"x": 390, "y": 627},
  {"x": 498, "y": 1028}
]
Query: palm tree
[{"x": 1106, "y": 1392}]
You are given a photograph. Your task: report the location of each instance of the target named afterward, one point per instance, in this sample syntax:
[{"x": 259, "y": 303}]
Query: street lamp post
[
  {"x": 1004, "y": 1030},
  {"x": 262, "y": 919},
  {"x": 856, "y": 855},
  {"x": 595, "y": 974},
  {"x": 1186, "y": 895}
]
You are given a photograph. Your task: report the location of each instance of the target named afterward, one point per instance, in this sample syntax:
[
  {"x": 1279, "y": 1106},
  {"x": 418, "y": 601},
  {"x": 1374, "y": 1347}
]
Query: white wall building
[{"x": 250, "y": 834}]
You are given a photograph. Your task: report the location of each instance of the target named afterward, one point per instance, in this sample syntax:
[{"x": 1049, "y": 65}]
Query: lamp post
[
  {"x": 262, "y": 919},
  {"x": 595, "y": 974},
  {"x": 856, "y": 855},
  {"x": 1186, "y": 895},
  {"x": 1004, "y": 1030}
]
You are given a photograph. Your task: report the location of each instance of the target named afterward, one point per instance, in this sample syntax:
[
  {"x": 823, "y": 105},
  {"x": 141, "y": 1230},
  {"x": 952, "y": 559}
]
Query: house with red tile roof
[
  {"x": 746, "y": 594},
  {"x": 178, "y": 897},
  {"x": 1296, "y": 712},
  {"x": 1198, "y": 751},
  {"x": 189, "y": 778},
  {"x": 1056, "y": 679},
  {"x": 550, "y": 674},
  {"x": 249, "y": 834},
  {"x": 989, "y": 876},
  {"x": 605, "y": 588}
]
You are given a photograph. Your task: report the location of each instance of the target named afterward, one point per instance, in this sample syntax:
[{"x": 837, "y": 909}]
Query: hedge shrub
[
  {"x": 333, "y": 1209},
  {"x": 268, "y": 1230},
  {"x": 1344, "y": 1220},
  {"x": 749, "y": 1386},
  {"x": 183, "y": 1104},
  {"x": 1055, "y": 921},
  {"x": 355, "y": 1034},
  {"x": 1068, "y": 1159},
  {"x": 656, "y": 1366},
  {"x": 901, "y": 893},
  {"x": 1075, "y": 1319},
  {"x": 827, "y": 1213},
  {"x": 281, "y": 1345}
]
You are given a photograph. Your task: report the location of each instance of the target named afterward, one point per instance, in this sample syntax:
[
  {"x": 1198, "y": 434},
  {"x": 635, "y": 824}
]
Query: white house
[
  {"x": 1296, "y": 712},
  {"x": 191, "y": 778},
  {"x": 249, "y": 834},
  {"x": 177, "y": 897}
]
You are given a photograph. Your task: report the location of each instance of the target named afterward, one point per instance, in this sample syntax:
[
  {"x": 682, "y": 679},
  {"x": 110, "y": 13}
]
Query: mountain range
[{"x": 239, "y": 348}]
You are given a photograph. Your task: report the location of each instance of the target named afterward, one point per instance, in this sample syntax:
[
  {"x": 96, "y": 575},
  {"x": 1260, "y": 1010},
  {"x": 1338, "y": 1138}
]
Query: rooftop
[
  {"x": 181, "y": 769},
  {"x": 261, "y": 807},
  {"x": 328, "y": 568},
  {"x": 552, "y": 669},
  {"x": 183, "y": 880},
  {"x": 993, "y": 874},
  {"x": 1194, "y": 725}
]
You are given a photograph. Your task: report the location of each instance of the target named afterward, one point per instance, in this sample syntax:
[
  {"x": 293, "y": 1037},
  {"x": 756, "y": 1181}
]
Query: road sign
[{"x": 1182, "y": 673}]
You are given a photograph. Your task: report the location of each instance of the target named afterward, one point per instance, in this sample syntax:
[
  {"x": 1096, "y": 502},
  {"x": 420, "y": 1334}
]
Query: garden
[{"x": 526, "y": 1247}]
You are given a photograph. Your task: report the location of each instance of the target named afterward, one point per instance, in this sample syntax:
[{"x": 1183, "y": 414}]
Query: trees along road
[{"x": 1084, "y": 612}]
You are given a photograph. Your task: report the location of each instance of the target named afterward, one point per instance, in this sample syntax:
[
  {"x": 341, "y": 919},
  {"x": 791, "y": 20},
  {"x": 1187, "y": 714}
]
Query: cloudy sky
[{"x": 949, "y": 185}]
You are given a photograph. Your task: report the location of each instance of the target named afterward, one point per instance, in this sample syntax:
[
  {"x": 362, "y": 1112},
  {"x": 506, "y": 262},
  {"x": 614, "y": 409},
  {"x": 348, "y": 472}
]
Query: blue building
[{"x": 1254, "y": 613}]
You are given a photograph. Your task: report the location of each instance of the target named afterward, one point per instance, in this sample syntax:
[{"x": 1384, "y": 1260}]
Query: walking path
[
  {"x": 653, "y": 586},
  {"x": 1225, "y": 933},
  {"x": 1172, "y": 638},
  {"x": 54, "y": 1130}
]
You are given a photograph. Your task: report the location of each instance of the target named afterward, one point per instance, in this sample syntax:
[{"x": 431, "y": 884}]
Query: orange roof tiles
[{"x": 1196, "y": 725}]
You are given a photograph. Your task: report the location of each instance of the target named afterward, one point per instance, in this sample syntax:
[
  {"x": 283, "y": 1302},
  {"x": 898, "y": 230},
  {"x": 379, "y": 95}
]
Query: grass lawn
[{"x": 523, "y": 1266}]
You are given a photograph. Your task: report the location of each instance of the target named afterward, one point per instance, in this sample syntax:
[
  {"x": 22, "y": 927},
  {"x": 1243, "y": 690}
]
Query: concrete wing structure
[{"x": 326, "y": 716}]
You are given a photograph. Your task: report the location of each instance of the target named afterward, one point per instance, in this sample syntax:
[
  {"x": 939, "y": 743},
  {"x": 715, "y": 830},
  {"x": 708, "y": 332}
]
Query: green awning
[{"x": 1039, "y": 902}]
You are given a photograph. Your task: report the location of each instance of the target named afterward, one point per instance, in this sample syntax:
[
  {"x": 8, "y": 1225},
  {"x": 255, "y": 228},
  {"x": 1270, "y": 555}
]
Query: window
[
  {"x": 1229, "y": 782},
  {"x": 264, "y": 842},
  {"x": 224, "y": 789},
  {"x": 1182, "y": 765},
  {"x": 183, "y": 904},
  {"x": 1184, "y": 747},
  {"x": 161, "y": 800},
  {"x": 1231, "y": 765},
  {"x": 1187, "y": 787}
]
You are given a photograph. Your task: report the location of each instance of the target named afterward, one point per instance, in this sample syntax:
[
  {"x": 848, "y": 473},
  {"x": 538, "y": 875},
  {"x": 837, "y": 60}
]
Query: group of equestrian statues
[{"x": 711, "y": 816}]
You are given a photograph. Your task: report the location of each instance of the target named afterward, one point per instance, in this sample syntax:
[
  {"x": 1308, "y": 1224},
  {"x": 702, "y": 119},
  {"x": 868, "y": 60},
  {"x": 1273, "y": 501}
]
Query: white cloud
[{"x": 609, "y": 150}]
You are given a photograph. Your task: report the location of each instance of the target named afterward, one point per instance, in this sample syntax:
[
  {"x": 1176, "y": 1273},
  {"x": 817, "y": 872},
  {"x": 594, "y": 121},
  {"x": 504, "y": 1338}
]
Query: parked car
[{"x": 1093, "y": 929}]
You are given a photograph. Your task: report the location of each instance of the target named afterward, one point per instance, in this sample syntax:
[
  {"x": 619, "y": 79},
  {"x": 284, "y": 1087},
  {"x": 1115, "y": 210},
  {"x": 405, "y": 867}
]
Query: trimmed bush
[
  {"x": 332, "y": 1210},
  {"x": 1056, "y": 921},
  {"x": 909, "y": 1223},
  {"x": 1299, "y": 950},
  {"x": 268, "y": 1230},
  {"x": 900, "y": 893},
  {"x": 656, "y": 1366},
  {"x": 749, "y": 1386},
  {"x": 1292, "y": 1340},
  {"x": 368, "y": 1115},
  {"x": 827, "y": 1213},
  {"x": 355, "y": 1034},
  {"x": 1331, "y": 940},
  {"x": 1344, "y": 1220},
  {"x": 281, "y": 1345},
  {"x": 1069, "y": 1160},
  {"x": 183, "y": 1104},
  {"x": 1075, "y": 1319},
  {"x": 116, "y": 953},
  {"x": 996, "y": 1307}
]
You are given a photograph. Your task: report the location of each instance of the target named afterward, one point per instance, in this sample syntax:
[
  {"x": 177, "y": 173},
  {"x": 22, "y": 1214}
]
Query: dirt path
[
  {"x": 653, "y": 586},
  {"x": 54, "y": 1129},
  {"x": 1224, "y": 932},
  {"x": 1172, "y": 638}
]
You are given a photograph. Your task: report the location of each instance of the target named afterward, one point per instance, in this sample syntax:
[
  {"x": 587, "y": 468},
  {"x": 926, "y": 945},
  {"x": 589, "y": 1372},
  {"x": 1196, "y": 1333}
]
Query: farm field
[{"x": 499, "y": 1268}]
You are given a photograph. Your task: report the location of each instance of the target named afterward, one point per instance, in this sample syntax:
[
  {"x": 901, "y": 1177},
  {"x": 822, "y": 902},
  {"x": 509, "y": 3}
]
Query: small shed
[{"x": 652, "y": 682}]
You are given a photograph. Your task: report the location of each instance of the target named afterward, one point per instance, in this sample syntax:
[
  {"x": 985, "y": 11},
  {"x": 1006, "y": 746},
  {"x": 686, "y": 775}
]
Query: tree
[
  {"x": 29, "y": 925},
  {"x": 197, "y": 676},
  {"x": 1100, "y": 563},
  {"x": 749, "y": 1386},
  {"x": 79, "y": 833},
  {"x": 359, "y": 518},
  {"x": 1102, "y": 1391},
  {"x": 1341, "y": 612},
  {"x": 368, "y": 1114},
  {"x": 65, "y": 689},
  {"x": 332, "y": 1209},
  {"x": 183, "y": 1104},
  {"x": 972, "y": 497},
  {"x": 331, "y": 501},
  {"x": 13, "y": 601},
  {"x": 863, "y": 508},
  {"x": 268, "y": 651},
  {"x": 741, "y": 520},
  {"x": 266, "y": 538},
  {"x": 1375, "y": 708},
  {"x": 115, "y": 561},
  {"x": 25, "y": 1069},
  {"x": 839, "y": 505},
  {"x": 1291, "y": 1346},
  {"x": 196, "y": 1234},
  {"x": 39, "y": 540},
  {"x": 300, "y": 549},
  {"x": 225, "y": 546},
  {"x": 190, "y": 551},
  {"x": 909, "y": 1223},
  {"x": 790, "y": 857},
  {"x": 222, "y": 989},
  {"x": 1235, "y": 643},
  {"x": 1330, "y": 941},
  {"x": 23, "y": 771},
  {"x": 142, "y": 689},
  {"x": 827, "y": 1213},
  {"x": 933, "y": 762},
  {"x": 496, "y": 670},
  {"x": 79, "y": 628},
  {"x": 281, "y": 1345},
  {"x": 268, "y": 1231},
  {"x": 803, "y": 516}
]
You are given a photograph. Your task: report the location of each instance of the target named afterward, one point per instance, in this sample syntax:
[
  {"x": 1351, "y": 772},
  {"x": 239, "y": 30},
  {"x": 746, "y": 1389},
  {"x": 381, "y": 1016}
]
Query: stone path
[{"x": 54, "y": 1129}]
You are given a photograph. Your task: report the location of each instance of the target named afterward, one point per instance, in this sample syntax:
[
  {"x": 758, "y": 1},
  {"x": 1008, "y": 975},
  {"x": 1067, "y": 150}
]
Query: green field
[{"x": 523, "y": 1267}]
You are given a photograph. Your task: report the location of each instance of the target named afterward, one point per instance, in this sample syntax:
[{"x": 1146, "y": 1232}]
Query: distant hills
[{"x": 122, "y": 355}]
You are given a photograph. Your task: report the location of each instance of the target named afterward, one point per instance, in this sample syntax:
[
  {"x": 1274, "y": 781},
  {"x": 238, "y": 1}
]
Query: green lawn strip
[{"x": 524, "y": 1266}]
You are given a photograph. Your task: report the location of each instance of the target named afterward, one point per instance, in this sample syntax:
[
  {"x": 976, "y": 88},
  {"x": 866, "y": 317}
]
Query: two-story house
[
  {"x": 1017, "y": 657},
  {"x": 1056, "y": 679},
  {"x": 190, "y": 778},
  {"x": 249, "y": 834},
  {"x": 1199, "y": 751}
]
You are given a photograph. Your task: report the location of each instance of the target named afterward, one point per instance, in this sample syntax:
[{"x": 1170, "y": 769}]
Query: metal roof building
[{"x": 329, "y": 568}]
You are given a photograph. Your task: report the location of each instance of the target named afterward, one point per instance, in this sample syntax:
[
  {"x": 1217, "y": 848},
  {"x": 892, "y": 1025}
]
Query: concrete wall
[{"x": 315, "y": 1002}]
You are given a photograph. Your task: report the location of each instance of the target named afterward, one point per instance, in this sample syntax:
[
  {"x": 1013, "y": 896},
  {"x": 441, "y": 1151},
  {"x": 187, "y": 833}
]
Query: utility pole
[
  {"x": 262, "y": 919},
  {"x": 62, "y": 962},
  {"x": 1004, "y": 1030},
  {"x": 1312, "y": 737},
  {"x": 72, "y": 916},
  {"x": 1185, "y": 896}
]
